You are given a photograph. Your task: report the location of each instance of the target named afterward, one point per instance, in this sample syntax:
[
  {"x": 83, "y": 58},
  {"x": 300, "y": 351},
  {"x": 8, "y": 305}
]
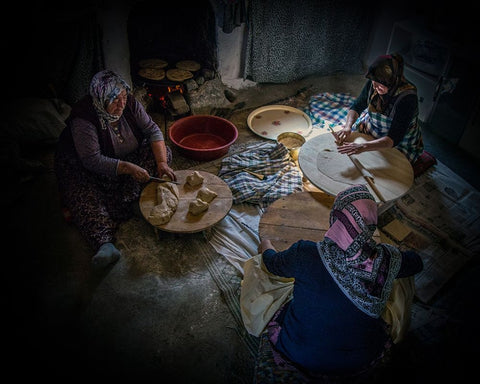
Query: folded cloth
[
  {"x": 330, "y": 107},
  {"x": 272, "y": 160},
  {"x": 261, "y": 295}
]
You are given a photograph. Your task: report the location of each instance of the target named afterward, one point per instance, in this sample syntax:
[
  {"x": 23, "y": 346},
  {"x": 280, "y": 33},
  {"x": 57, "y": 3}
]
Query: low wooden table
[
  {"x": 333, "y": 172},
  {"x": 298, "y": 216},
  {"x": 182, "y": 221}
]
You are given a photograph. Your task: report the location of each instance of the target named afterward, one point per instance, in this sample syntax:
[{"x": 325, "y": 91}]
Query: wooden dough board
[
  {"x": 298, "y": 216},
  {"x": 333, "y": 172},
  {"x": 182, "y": 221}
]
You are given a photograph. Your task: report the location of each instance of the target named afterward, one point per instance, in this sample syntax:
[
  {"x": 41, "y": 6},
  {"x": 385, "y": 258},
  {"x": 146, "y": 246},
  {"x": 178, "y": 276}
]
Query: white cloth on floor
[
  {"x": 236, "y": 236},
  {"x": 262, "y": 294}
]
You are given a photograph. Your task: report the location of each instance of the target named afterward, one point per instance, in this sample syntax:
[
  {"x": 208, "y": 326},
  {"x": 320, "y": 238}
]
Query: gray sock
[{"x": 106, "y": 254}]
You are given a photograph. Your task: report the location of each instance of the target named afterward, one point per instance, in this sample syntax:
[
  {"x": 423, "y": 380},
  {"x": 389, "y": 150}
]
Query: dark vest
[{"x": 84, "y": 109}]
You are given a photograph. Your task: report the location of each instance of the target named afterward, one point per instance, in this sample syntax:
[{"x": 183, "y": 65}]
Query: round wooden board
[
  {"x": 333, "y": 172},
  {"x": 298, "y": 216},
  {"x": 182, "y": 221}
]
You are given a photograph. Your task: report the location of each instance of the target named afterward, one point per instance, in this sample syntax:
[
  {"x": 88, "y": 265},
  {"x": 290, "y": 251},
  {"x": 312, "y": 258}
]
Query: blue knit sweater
[{"x": 322, "y": 330}]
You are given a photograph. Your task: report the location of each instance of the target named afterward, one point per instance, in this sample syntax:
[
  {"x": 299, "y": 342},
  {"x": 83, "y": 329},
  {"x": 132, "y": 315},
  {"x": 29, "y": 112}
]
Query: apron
[{"x": 378, "y": 125}]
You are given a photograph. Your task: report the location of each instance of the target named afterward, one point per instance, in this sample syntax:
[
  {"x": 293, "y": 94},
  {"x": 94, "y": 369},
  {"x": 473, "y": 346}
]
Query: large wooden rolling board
[
  {"x": 298, "y": 216},
  {"x": 332, "y": 172},
  {"x": 182, "y": 221}
]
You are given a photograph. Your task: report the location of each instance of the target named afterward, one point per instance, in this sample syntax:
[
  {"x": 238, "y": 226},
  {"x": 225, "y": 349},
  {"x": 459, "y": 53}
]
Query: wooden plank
[{"x": 298, "y": 216}]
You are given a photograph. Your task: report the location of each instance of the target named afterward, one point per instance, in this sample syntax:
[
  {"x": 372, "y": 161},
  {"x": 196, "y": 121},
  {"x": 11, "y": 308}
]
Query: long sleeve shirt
[
  {"x": 322, "y": 330},
  {"x": 405, "y": 111},
  {"x": 87, "y": 145}
]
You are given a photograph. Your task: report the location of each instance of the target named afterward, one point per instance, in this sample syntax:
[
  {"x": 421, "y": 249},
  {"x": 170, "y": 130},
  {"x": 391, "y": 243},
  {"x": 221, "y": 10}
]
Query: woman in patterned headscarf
[
  {"x": 386, "y": 109},
  {"x": 106, "y": 153},
  {"x": 333, "y": 325}
]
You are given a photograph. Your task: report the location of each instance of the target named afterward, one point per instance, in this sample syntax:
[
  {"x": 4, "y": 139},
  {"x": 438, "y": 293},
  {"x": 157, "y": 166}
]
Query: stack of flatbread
[
  {"x": 179, "y": 75},
  {"x": 152, "y": 69},
  {"x": 188, "y": 65},
  {"x": 152, "y": 63},
  {"x": 152, "y": 73}
]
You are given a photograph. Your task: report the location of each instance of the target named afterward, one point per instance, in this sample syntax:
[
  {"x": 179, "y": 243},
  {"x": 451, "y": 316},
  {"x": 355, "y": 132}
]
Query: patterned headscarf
[
  {"x": 104, "y": 88},
  {"x": 363, "y": 270}
]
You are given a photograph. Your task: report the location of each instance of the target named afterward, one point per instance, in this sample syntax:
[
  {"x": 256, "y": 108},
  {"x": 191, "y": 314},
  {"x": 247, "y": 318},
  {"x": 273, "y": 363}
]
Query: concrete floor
[{"x": 160, "y": 317}]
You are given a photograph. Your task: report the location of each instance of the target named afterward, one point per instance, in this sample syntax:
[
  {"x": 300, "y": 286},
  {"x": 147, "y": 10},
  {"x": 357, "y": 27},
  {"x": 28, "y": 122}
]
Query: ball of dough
[
  {"x": 206, "y": 194},
  {"x": 194, "y": 179},
  {"x": 197, "y": 206}
]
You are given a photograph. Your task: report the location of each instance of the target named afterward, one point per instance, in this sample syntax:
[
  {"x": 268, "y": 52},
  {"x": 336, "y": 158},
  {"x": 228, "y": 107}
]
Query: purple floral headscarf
[{"x": 104, "y": 88}]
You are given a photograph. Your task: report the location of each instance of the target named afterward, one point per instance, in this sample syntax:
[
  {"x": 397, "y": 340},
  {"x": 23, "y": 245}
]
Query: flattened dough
[{"x": 338, "y": 166}]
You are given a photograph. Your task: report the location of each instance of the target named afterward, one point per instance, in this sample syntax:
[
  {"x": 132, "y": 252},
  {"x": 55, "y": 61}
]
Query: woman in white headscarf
[{"x": 109, "y": 148}]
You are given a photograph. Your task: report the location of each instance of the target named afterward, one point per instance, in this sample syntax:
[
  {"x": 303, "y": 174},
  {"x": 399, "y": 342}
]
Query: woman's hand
[
  {"x": 342, "y": 135},
  {"x": 138, "y": 173},
  {"x": 352, "y": 148},
  {"x": 264, "y": 245},
  {"x": 345, "y": 132},
  {"x": 164, "y": 169}
]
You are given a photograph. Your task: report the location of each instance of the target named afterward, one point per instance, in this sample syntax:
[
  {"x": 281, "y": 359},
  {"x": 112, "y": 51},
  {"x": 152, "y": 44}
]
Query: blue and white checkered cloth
[
  {"x": 271, "y": 159},
  {"x": 329, "y": 107}
]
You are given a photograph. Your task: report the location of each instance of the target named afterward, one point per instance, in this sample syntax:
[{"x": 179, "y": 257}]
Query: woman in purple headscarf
[
  {"x": 333, "y": 325},
  {"x": 106, "y": 153},
  {"x": 387, "y": 109}
]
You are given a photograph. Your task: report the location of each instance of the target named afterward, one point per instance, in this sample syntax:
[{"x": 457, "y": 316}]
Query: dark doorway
[{"x": 172, "y": 33}]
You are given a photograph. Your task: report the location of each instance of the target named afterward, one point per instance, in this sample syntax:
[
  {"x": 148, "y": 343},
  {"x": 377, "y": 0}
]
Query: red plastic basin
[{"x": 203, "y": 137}]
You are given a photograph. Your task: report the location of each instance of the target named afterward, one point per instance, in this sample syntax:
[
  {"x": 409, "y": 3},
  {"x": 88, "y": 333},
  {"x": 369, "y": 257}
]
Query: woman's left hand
[
  {"x": 264, "y": 245},
  {"x": 351, "y": 148},
  {"x": 164, "y": 169}
]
